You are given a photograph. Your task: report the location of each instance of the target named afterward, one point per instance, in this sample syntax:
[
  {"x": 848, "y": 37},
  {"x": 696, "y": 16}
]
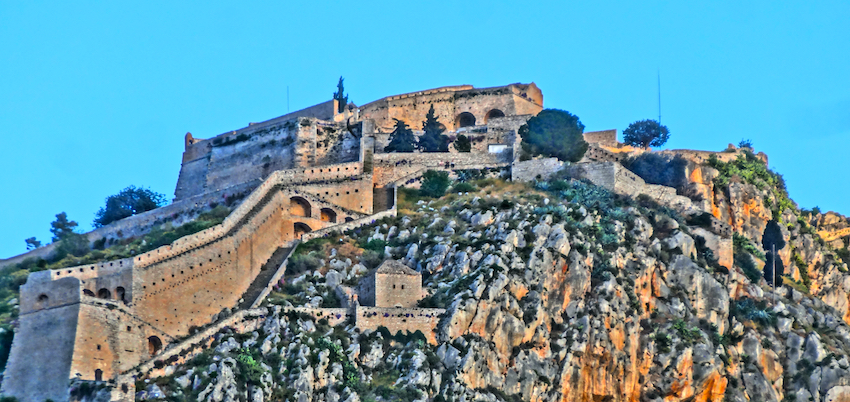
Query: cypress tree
[
  {"x": 401, "y": 139},
  {"x": 433, "y": 140},
  {"x": 341, "y": 99}
]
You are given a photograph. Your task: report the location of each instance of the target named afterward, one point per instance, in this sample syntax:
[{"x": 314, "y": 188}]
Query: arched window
[
  {"x": 300, "y": 229},
  {"x": 154, "y": 345},
  {"x": 299, "y": 207},
  {"x": 328, "y": 215},
  {"x": 104, "y": 293},
  {"x": 119, "y": 293},
  {"x": 493, "y": 114},
  {"x": 98, "y": 375},
  {"x": 465, "y": 119}
]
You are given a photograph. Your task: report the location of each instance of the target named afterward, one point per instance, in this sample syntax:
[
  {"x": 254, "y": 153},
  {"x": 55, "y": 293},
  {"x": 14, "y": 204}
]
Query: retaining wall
[
  {"x": 535, "y": 169},
  {"x": 400, "y": 319}
]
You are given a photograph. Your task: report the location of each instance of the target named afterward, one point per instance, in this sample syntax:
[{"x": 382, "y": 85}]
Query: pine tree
[
  {"x": 401, "y": 139},
  {"x": 341, "y": 99},
  {"x": 62, "y": 227},
  {"x": 433, "y": 140},
  {"x": 462, "y": 144}
]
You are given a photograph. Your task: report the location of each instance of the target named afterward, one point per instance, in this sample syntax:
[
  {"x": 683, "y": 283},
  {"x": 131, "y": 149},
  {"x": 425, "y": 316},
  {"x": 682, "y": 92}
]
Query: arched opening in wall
[
  {"x": 465, "y": 119},
  {"x": 119, "y": 293},
  {"x": 328, "y": 215},
  {"x": 154, "y": 345},
  {"x": 98, "y": 375},
  {"x": 299, "y": 207},
  {"x": 348, "y": 219},
  {"x": 300, "y": 229},
  {"x": 104, "y": 293},
  {"x": 441, "y": 126},
  {"x": 41, "y": 301},
  {"x": 493, "y": 114},
  {"x": 88, "y": 292}
]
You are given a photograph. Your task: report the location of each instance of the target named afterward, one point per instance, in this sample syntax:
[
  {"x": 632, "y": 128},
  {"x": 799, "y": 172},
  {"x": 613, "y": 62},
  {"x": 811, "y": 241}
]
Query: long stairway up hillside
[{"x": 262, "y": 280}]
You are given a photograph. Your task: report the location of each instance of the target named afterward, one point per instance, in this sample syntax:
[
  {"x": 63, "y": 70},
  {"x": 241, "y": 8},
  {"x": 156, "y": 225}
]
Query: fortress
[{"x": 299, "y": 176}]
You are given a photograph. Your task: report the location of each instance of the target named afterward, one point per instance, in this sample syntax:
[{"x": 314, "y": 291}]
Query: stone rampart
[
  {"x": 620, "y": 180},
  {"x": 241, "y": 322},
  {"x": 334, "y": 316},
  {"x": 400, "y": 319},
  {"x": 254, "y": 152},
  {"x": 535, "y": 169},
  {"x": 176, "y": 214},
  {"x": 456, "y": 106},
  {"x": 606, "y": 138},
  {"x": 389, "y": 168},
  {"x": 343, "y": 227},
  {"x": 701, "y": 157},
  {"x": 41, "y": 354}
]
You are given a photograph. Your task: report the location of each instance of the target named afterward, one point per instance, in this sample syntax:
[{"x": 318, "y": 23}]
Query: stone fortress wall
[{"x": 309, "y": 173}]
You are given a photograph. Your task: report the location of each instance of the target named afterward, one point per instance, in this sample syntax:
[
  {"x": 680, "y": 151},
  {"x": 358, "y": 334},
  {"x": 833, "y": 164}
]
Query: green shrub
[
  {"x": 464, "y": 187},
  {"x": 434, "y": 183}
]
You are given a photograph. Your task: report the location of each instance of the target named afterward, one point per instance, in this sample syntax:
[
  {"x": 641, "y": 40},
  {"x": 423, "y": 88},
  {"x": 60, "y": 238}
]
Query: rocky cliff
[{"x": 559, "y": 291}]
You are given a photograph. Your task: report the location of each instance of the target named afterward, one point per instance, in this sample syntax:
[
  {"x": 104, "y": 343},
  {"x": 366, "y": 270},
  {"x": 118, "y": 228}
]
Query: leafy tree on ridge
[
  {"x": 554, "y": 132},
  {"x": 646, "y": 133},
  {"x": 128, "y": 202}
]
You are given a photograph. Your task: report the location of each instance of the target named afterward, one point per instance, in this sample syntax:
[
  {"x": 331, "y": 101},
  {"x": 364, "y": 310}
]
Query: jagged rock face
[{"x": 583, "y": 297}]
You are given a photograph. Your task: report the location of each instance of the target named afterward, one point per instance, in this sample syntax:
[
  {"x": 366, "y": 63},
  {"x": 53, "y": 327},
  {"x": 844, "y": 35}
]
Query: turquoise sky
[{"x": 96, "y": 96}]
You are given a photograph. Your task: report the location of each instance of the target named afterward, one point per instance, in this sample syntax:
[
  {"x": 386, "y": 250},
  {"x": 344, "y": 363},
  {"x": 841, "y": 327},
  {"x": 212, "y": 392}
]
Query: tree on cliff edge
[
  {"x": 555, "y": 133},
  {"x": 401, "y": 139},
  {"x": 646, "y": 133},
  {"x": 128, "y": 202},
  {"x": 773, "y": 239},
  {"x": 62, "y": 227},
  {"x": 433, "y": 140},
  {"x": 341, "y": 99}
]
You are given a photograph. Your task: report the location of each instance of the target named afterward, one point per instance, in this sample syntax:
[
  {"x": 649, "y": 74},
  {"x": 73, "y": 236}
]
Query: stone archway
[
  {"x": 104, "y": 293},
  {"x": 492, "y": 114},
  {"x": 300, "y": 229},
  {"x": 465, "y": 119},
  {"x": 328, "y": 215},
  {"x": 98, "y": 375},
  {"x": 120, "y": 293},
  {"x": 298, "y": 206},
  {"x": 154, "y": 345}
]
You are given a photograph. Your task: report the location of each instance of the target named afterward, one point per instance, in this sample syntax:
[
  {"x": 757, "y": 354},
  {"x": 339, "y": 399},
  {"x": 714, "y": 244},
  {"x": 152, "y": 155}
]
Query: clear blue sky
[{"x": 96, "y": 96}]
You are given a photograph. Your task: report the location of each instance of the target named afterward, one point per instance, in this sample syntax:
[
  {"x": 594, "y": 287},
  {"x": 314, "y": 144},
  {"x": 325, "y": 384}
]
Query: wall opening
[
  {"x": 88, "y": 292},
  {"x": 104, "y": 293},
  {"x": 300, "y": 229},
  {"x": 495, "y": 113},
  {"x": 328, "y": 215},
  {"x": 98, "y": 375},
  {"x": 465, "y": 119},
  {"x": 348, "y": 219},
  {"x": 119, "y": 293},
  {"x": 299, "y": 207},
  {"x": 41, "y": 301},
  {"x": 154, "y": 345}
]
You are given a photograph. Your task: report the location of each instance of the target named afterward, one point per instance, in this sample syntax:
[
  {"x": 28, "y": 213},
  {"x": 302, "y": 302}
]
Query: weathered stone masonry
[{"x": 306, "y": 171}]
